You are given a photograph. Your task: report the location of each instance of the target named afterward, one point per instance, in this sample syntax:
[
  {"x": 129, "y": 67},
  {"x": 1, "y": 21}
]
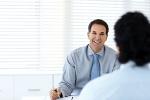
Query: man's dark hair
[
  {"x": 132, "y": 36},
  {"x": 100, "y": 22}
]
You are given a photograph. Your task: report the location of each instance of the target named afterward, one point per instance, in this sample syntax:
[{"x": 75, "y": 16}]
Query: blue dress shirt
[{"x": 77, "y": 68}]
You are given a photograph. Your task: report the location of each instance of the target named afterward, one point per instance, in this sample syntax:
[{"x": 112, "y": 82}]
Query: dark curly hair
[
  {"x": 132, "y": 36},
  {"x": 100, "y": 22}
]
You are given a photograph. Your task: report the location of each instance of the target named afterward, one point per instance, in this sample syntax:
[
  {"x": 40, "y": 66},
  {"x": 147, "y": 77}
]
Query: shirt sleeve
[{"x": 68, "y": 79}]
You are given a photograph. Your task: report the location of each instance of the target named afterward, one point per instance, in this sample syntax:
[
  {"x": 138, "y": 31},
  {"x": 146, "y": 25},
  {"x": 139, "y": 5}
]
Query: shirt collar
[{"x": 90, "y": 51}]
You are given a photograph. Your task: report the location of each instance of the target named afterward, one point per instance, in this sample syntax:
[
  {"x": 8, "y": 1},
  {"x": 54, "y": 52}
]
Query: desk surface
[
  {"x": 48, "y": 98},
  {"x": 35, "y": 98},
  {"x": 69, "y": 98}
]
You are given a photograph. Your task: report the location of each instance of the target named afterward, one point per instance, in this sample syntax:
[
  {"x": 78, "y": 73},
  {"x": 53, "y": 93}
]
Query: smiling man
[
  {"x": 97, "y": 35},
  {"x": 88, "y": 62}
]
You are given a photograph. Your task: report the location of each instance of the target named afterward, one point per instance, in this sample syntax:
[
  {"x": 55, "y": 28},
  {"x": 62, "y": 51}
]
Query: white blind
[
  {"x": 38, "y": 34},
  {"x": 52, "y": 38},
  {"x": 31, "y": 34},
  {"x": 19, "y": 34},
  {"x": 84, "y": 11}
]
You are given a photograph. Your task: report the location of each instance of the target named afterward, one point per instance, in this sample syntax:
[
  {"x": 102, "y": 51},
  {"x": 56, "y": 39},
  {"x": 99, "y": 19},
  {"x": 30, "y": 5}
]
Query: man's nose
[{"x": 98, "y": 37}]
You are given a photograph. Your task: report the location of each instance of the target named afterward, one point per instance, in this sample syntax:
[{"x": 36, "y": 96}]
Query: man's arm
[
  {"x": 68, "y": 79},
  {"x": 67, "y": 83}
]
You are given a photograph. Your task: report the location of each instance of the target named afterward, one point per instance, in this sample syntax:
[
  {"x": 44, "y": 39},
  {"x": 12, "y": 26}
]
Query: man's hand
[{"x": 54, "y": 94}]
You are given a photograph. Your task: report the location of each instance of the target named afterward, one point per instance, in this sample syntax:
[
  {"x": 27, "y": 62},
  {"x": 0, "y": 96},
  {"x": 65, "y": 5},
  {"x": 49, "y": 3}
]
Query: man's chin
[{"x": 95, "y": 45}]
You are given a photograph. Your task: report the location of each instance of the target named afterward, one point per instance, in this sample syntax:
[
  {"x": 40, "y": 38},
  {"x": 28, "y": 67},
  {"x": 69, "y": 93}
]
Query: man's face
[{"x": 97, "y": 37}]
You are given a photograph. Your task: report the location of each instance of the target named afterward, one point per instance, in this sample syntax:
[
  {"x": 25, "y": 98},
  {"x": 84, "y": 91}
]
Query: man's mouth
[{"x": 96, "y": 42}]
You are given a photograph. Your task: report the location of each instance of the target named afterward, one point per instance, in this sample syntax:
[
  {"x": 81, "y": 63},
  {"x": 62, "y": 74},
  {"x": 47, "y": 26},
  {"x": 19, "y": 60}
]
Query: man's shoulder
[
  {"x": 110, "y": 50},
  {"x": 79, "y": 50}
]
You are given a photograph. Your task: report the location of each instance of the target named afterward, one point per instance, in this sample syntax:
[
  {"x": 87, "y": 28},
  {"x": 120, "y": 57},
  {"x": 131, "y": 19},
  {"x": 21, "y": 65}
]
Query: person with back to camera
[
  {"x": 132, "y": 80},
  {"x": 88, "y": 62}
]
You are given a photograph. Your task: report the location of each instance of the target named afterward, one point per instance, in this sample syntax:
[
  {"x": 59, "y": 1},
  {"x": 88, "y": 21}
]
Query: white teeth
[{"x": 96, "y": 41}]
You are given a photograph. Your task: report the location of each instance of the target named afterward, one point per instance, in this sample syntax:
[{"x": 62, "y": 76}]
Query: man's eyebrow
[
  {"x": 93, "y": 31},
  {"x": 102, "y": 32}
]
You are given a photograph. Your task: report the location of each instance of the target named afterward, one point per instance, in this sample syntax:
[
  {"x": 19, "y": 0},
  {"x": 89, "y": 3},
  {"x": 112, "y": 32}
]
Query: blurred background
[{"x": 37, "y": 35}]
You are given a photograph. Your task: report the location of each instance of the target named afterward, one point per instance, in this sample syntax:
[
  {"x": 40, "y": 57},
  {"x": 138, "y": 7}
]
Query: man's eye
[
  {"x": 102, "y": 34},
  {"x": 93, "y": 33}
]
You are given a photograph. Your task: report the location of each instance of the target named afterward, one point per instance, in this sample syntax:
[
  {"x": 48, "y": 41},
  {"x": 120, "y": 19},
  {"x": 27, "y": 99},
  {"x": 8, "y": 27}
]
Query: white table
[
  {"x": 69, "y": 98},
  {"x": 48, "y": 98},
  {"x": 35, "y": 98}
]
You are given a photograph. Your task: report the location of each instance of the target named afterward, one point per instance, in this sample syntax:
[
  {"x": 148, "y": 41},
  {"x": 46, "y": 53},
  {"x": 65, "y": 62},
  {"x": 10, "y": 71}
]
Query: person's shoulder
[
  {"x": 110, "y": 51},
  {"x": 95, "y": 86},
  {"x": 79, "y": 50},
  {"x": 104, "y": 80}
]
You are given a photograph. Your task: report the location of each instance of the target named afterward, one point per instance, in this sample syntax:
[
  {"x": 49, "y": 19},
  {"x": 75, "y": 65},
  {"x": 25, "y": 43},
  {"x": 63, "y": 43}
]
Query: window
[
  {"x": 19, "y": 34},
  {"x": 83, "y": 11},
  {"x": 32, "y": 34},
  {"x": 38, "y": 34}
]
